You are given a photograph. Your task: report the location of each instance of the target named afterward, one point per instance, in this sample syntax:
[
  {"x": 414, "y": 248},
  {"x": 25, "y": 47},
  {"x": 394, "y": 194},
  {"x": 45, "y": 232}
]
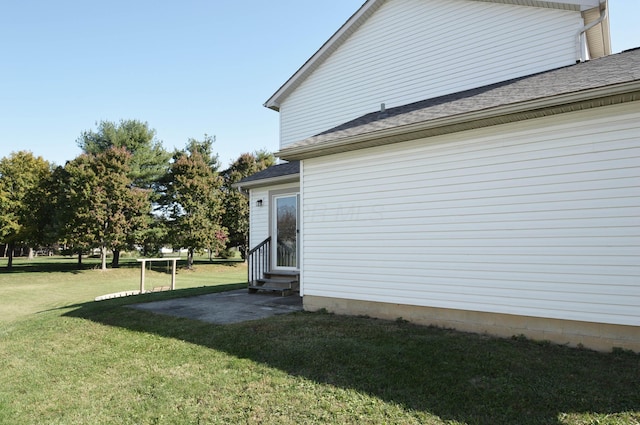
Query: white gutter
[
  {"x": 583, "y": 49},
  {"x": 287, "y": 178}
]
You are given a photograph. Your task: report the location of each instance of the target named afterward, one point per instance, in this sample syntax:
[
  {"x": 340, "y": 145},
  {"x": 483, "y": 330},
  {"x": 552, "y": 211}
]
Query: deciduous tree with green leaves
[
  {"x": 21, "y": 173},
  {"x": 193, "y": 201},
  {"x": 105, "y": 210},
  {"x": 57, "y": 212}
]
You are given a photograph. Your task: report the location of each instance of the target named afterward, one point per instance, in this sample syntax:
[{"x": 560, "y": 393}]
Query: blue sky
[{"x": 186, "y": 67}]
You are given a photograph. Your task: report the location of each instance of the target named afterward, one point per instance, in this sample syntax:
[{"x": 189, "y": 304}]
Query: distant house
[{"x": 472, "y": 164}]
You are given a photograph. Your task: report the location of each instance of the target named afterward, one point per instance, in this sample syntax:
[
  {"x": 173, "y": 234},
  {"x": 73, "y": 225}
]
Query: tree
[
  {"x": 104, "y": 210},
  {"x": 236, "y": 206},
  {"x": 149, "y": 160},
  {"x": 59, "y": 214},
  {"x": 155, "y": 236},
  {"x": 20, "y": 175},
  {"x": 73, "y": 221},
  {"x": 43, "y": 204},
  {"x": 192, "y": 202}
]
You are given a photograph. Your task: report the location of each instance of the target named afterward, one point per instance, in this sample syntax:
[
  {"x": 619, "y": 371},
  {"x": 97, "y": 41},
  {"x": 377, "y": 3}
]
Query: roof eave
[
  {"x": 587, "y": 99},
  {"x": 289, "y": 178}
]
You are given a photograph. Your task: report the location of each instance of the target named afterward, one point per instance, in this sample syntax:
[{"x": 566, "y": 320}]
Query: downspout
[
  {"x": 243, "y": 192},
  {"x": 582, "y": 36}
]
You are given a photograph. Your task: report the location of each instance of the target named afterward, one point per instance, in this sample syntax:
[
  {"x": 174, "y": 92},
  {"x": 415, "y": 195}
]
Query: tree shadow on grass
[
  {"x": 60, "y": 264},
  {"x": 70, "y": 265},
  {"x": 468, "y": 378},
  {"x": 51, "y": 266}
]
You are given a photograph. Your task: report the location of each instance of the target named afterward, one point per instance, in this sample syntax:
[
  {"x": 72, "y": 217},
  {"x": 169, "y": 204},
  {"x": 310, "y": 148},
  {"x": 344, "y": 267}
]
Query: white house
[{"x": 472, "y": 164}]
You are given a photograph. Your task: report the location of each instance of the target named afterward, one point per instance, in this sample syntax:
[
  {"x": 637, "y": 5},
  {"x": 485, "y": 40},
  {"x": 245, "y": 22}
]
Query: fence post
[{"x": 142, "y": 276}]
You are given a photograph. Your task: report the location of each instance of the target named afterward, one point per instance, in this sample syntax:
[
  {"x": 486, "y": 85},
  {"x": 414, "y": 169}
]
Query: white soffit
[{"x": 598, "y": 37}]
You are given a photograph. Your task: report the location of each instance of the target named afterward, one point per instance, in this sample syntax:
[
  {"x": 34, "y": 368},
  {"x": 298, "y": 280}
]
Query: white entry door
[{"x": 285, "y": 231}]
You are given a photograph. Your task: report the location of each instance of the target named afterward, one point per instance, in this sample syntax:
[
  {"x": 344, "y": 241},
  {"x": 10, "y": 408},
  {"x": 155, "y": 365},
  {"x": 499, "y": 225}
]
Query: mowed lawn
[{"x": 65, "y": 359}]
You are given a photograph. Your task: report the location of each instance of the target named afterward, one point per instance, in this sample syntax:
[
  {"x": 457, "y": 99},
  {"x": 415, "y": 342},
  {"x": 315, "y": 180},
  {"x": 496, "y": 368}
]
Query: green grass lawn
[
  {"x": 51, "y": 282},
  {"x": 65, "y": 359}
]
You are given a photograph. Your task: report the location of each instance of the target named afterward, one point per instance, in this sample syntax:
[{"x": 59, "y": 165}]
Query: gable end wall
[{"x": 410, "y": 50}]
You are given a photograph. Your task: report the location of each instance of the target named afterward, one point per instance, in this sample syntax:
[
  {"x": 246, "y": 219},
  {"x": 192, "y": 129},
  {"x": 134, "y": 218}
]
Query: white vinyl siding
[
  {"x": 539, "y": 218},
  {"x": 259, "y": 216},
  {"x": 411, "y": 50}
]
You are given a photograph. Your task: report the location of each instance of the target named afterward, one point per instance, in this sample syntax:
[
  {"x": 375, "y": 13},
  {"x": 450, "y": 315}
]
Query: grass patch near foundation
[{"x": 87, "y": 362}]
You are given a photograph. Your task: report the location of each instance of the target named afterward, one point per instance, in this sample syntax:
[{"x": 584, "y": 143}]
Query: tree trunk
[
  {"x": 190, "y": 258},
  {"x": 30, "y": 257},
  {"x": 103, "y": 255},
  {"x": 79, "y": 260},
  {"x": 115, "y": 262},
  {"x": 10, "y": 261}
]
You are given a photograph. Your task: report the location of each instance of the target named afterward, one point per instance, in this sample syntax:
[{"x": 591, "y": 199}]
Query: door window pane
[{"x": 286, "y": 231}]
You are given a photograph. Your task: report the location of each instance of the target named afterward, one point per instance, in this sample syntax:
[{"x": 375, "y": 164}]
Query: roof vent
[{"x": 383, "y": 111}]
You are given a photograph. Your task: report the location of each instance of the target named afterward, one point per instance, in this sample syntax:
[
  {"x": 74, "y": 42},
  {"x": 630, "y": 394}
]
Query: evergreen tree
[
  {"x": 148, "y": 164},
  {"x": 149, "y": 160},
  {"x": 236, "y": 206}
]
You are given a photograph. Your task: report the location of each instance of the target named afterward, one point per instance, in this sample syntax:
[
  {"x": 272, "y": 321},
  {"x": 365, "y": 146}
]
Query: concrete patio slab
[{"x": 225, "y": 307}]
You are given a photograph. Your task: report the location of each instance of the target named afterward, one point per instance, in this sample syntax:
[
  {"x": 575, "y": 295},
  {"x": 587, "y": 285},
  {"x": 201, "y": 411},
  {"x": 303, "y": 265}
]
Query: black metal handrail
[{"x": 259, "y": 260}]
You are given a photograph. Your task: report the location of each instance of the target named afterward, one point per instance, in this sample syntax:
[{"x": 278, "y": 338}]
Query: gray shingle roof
[
  {"x": 598, "y": 73},
  {"x": 273, "y": 172}
]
